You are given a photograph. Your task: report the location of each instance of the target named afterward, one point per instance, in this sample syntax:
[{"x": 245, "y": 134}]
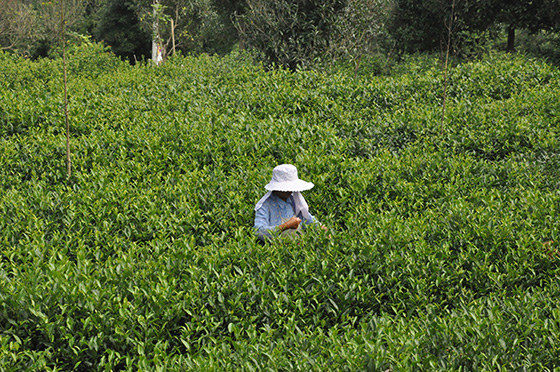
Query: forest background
[{"x": 289, "y": 33}]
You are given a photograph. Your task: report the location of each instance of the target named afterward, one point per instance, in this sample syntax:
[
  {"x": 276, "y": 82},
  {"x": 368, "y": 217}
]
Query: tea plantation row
[{"x": 441, "y": 253}]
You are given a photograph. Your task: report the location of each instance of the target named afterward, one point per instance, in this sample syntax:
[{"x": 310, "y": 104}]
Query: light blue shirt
[{"x": 271, "y": 213}]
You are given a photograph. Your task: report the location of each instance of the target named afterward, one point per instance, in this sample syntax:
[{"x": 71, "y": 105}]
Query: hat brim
[{"x": 294, "y": 186}]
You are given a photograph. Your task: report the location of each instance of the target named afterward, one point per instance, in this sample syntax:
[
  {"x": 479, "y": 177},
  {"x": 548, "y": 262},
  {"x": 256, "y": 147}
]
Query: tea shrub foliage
[{"x": 441, "y": 252}]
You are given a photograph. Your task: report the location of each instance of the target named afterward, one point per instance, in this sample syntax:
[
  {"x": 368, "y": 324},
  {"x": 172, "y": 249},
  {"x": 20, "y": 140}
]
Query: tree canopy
[{"x": 288, "y": 33}]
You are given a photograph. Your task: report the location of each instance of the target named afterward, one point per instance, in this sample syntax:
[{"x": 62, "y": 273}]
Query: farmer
[{"x": 283, "y": 210}]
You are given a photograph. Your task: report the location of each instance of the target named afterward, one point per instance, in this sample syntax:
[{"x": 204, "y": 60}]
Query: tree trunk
[
  {"x": 511, "y": 39},
  {"x": 155, "y": 33}
]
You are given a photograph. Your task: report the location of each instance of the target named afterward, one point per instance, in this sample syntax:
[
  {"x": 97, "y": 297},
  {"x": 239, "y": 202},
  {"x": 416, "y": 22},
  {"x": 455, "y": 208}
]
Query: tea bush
[{"x": 441, "y": 252}]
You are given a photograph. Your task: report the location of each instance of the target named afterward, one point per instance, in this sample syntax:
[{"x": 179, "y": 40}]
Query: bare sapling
[
  {"x": 67, "y": 121},
  {"x": 445, "y": 66}
]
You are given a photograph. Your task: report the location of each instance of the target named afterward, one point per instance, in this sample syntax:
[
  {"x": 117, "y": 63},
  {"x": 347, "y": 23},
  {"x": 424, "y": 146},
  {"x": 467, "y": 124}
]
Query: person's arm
[
  {"x": 292, "y": 223},
  {"x": 263, "y": 227},
  {"x": 308, "y": 221},
  {"x": 262, "y": 223}
]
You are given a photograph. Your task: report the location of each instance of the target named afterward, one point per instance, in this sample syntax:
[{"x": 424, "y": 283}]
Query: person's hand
[
  {"x": 292, "y": 223},
  {"x": 326, "y": 229}
]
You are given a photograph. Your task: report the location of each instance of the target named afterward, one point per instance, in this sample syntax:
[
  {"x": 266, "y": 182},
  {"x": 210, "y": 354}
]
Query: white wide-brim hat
[{"x": 285, "y": 178}]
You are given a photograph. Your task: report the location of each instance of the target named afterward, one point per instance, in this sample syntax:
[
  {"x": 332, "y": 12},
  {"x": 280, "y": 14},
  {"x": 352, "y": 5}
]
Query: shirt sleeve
[
  {"x": 262, "y": 226},
  {"x": 307, "y": 221}
]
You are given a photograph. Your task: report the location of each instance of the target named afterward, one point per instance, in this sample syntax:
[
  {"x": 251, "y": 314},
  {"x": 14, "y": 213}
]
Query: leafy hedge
[{"x": 439, "y": 255}]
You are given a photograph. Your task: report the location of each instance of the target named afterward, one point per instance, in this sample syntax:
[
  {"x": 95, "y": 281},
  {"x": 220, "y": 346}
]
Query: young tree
[
  {"x": 192, "y": 26},
  {"x": 289, "y": 33},
  {"x": 32, "y": 27},
  {"x": 48, "y": 21},
  {"x": 17, "y": 26},
  {"x": 360, "y": 29}
]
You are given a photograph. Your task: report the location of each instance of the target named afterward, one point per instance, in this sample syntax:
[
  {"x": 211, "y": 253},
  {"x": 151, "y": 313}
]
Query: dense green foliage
[
  {"x": 33, "y": 28},
  {"x": 145, "y": 259},
  {"x": 120, "y": 27},
  {"x": 424, "y": 25},
  {"x": 288, "y": 33}
]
